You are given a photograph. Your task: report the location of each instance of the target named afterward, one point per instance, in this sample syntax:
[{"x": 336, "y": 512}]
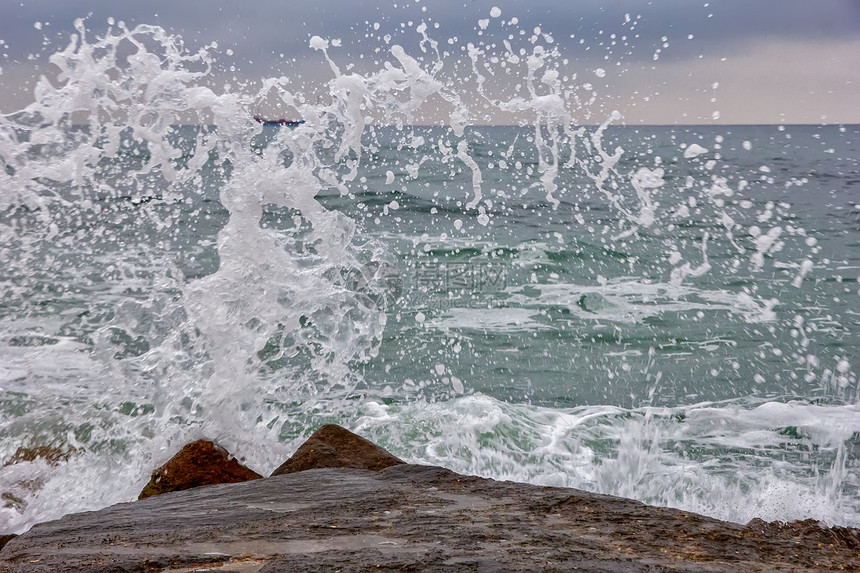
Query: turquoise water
[{"x": 664, "y": 313}]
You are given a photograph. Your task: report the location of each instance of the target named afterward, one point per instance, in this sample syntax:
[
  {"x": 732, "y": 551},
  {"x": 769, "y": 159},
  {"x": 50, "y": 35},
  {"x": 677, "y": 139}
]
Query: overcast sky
[{"x": 723, "y": 61}]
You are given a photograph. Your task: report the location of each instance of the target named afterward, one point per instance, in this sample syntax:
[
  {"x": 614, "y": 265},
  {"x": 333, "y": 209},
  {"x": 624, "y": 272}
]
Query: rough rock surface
[
  {"x": 51, "y": 454},
  {"x": 809, "y": 530},
  {"x": 198, "y": 463},
  {"x": 334, "y": 447},
  {"x": 406, "y": 518},
  {"x": 4, "y": 539}
]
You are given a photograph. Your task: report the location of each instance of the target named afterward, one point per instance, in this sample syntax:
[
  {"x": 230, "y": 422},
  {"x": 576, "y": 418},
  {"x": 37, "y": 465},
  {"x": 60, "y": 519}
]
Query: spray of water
[{"x": 170, "y": 272}]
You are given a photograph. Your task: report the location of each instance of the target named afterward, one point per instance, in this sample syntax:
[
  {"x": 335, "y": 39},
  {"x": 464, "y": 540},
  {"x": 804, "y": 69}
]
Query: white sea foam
[
  {"x": 668, "y": 456},
  {"x": 630, "y": 300},
  {"x": 482, "y": 317}
]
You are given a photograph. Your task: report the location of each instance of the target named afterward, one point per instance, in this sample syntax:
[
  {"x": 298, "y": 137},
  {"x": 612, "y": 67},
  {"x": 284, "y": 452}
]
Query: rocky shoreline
[{"x": 342, "y": 503}]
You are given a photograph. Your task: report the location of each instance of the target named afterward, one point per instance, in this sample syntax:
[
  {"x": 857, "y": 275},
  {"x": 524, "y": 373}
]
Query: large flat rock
[{"x": 405, "y": 518}]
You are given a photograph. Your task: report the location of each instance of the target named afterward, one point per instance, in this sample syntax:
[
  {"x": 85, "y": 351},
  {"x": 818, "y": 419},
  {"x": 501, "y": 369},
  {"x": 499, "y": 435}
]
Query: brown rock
[
  {"x": 405, "y": 518},
  {"x": 334, "y": 447},
  {"x": 51, "y": 454},
  {"x": 198, "y": 463},
  {"x": 16, "y": 493},
  {"x": 4, "y": 539},
  {"x": 807, "y": 530}
]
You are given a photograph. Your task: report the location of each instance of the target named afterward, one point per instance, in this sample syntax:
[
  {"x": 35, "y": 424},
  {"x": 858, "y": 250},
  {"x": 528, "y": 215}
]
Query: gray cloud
[
  {"x": 268, "y": 26},
  {"x": 271, "y": 37}
]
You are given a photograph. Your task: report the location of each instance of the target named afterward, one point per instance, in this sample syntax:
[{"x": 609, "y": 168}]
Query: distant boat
[{"x": 287, "y": 122}]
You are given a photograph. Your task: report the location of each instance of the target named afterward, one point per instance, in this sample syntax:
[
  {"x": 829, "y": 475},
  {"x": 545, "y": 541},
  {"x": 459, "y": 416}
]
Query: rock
[
  {"x": 334, "y": 447},
  {"x": 808, "y": 530},
  {"x": 10, "y": 500},
  {"x": 18, "y": 490},
  {"x": 198, "y": 463},
  {"x": 4, "y": 539},
  {"x": 51, "y": 454},
  {"x": 403, "y": 518}
]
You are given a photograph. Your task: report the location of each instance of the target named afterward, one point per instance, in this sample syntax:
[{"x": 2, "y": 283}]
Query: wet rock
[
  {"x": 21, "y": 486},
  {"x": 335, "y": 447},
  {"x": 808, "y": 530},
  {"x": 11, "y": 501},
  {"x": 4, "y": 539},
  {"x": 51, "y": 454},
  {"x": 198, "y": 463},
  {"x": 403, "y": 518}
]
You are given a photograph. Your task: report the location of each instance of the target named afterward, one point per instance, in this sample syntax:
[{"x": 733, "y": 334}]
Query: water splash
[
  {"x": 111, "y": 211},
  {"x": 175, "y": 270},
  {"x": 700, "y": 458}
]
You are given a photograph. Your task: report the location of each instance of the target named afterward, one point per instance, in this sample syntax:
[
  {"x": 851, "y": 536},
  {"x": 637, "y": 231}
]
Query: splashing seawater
[
  {"x": 149, "y": 331},
  {"x": 175, "y": 270}
]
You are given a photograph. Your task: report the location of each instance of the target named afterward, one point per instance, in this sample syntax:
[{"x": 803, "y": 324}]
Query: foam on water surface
[
  {"x": 540, "y": 302},
  {"x": 686, "y": 457}
]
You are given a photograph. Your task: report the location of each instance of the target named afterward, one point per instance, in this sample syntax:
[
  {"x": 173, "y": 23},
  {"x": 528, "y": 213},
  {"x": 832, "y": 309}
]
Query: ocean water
[{"x": 670, "y": 314}]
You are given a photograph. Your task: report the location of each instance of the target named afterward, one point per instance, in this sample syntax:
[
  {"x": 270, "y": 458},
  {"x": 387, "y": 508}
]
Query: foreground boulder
[
  {"x": 406, "y": 518},
  {"x": 199, "y": 463},
  {"x": 334, "y": 447}
]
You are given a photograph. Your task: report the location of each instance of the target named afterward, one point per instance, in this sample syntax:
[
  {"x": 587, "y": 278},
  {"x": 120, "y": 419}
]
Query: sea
[{"x": 666, "y": 313}]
